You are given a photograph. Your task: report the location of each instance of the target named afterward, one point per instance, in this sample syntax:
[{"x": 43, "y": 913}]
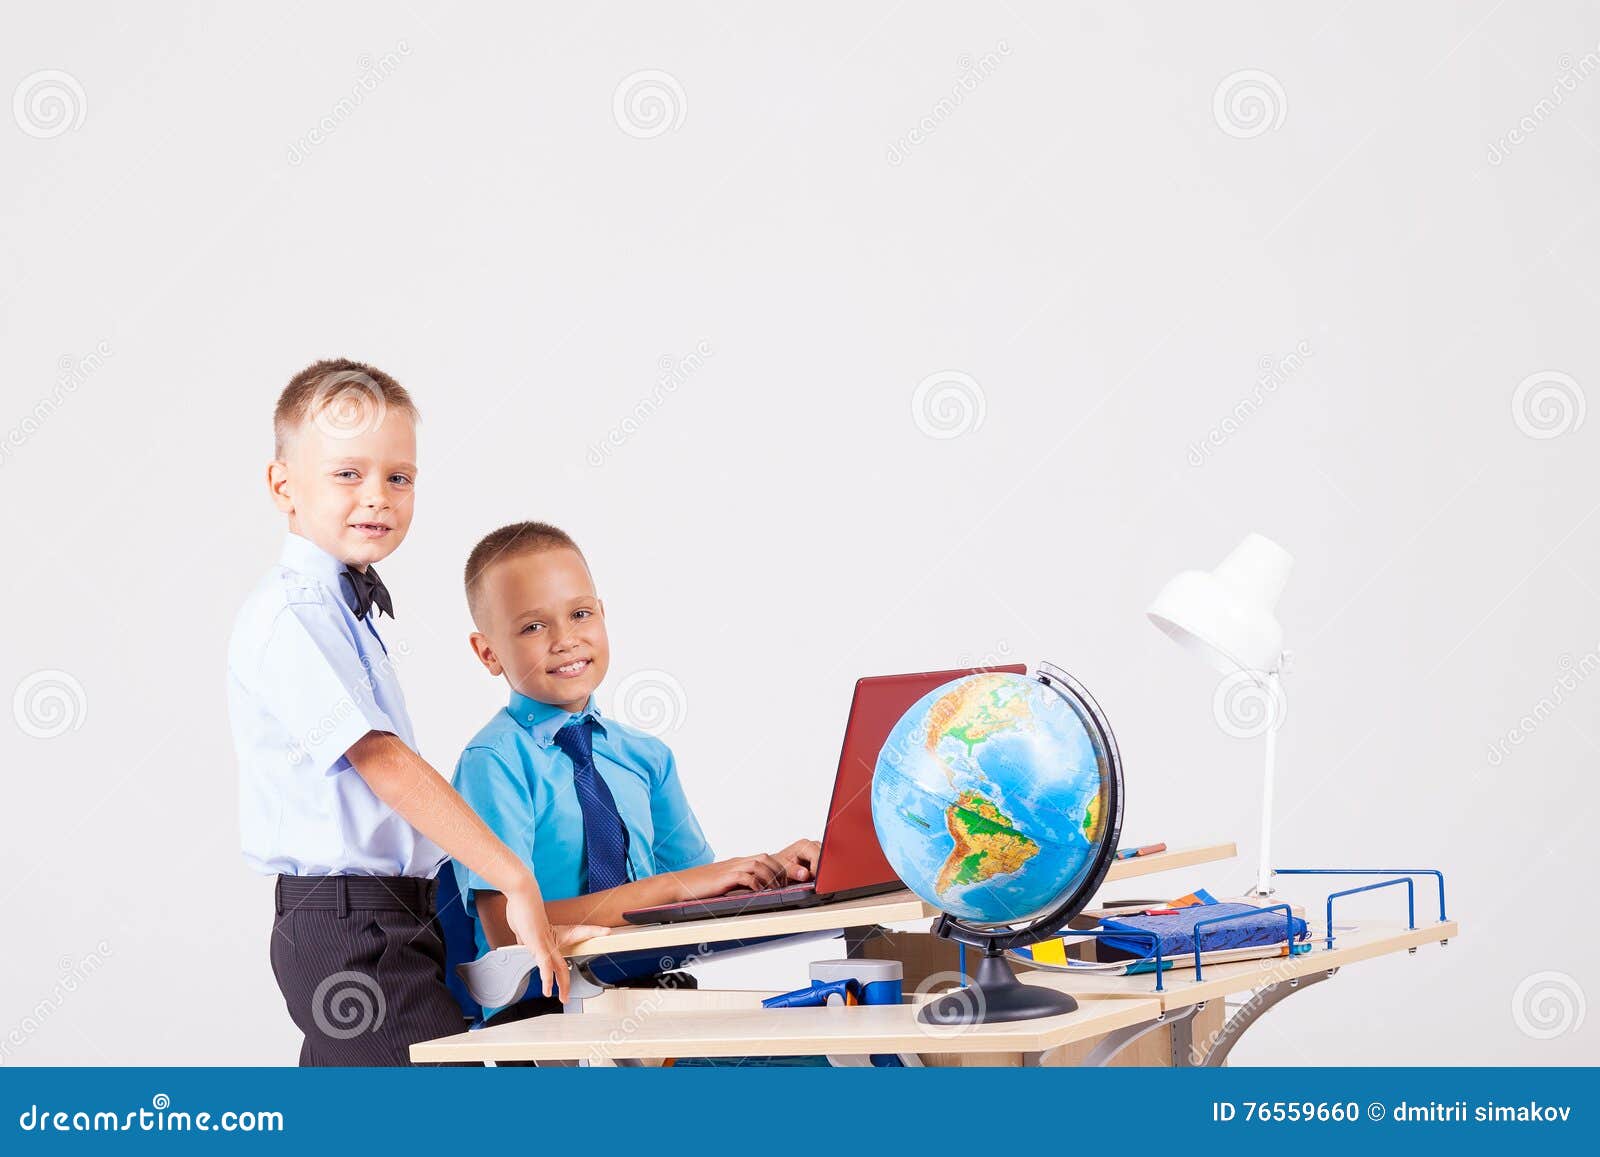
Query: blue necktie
[{"x": 605, "y": 839}]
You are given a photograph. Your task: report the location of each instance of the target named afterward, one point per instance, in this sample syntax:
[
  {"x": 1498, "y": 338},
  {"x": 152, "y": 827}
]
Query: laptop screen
[{"x": 851, "y": 858}]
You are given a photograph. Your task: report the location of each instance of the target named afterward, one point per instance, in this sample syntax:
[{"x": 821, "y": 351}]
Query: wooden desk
[
  {"x": 873, "y": 911},
  {"x": 666, "y": 1032},
  {"x": 1120, "y": 1019},
  {"x": 1115, "y": 1014}
]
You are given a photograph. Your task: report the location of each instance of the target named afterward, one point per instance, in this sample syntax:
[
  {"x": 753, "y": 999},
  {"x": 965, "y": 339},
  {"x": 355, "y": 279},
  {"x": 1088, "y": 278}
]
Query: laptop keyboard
[{"x": 775, "y": 890}]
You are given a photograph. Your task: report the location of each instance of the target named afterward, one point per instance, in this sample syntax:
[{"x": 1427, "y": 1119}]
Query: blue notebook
[{"x": 1177, "y": 931}]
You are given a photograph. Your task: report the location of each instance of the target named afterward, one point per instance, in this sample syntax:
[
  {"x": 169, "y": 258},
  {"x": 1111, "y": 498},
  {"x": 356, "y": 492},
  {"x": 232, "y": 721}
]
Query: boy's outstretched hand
[
  {"x": 799, "y": 860},
  {"x": 546, "y": 942},
  {"x": 568, "y": 935}
]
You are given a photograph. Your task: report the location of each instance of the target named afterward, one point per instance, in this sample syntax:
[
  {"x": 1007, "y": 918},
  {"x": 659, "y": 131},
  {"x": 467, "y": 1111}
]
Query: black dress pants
[{"x": 360, "y": 963}]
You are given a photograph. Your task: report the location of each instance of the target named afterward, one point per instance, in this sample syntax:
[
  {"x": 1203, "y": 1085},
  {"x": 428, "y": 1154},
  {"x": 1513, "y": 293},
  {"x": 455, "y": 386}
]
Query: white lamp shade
[{"x": 1227, "y": 616}]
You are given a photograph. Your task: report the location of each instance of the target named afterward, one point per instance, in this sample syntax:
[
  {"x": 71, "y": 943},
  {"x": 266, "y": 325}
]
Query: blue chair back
[{"x": 460, "y": 940}]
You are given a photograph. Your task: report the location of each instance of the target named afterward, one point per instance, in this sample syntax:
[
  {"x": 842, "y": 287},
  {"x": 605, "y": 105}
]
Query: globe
[{"x": 990, "y": 798}]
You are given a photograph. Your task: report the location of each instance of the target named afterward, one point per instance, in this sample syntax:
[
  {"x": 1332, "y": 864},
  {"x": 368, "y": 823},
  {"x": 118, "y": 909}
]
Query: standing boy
[{"x": 334, "y": 800}]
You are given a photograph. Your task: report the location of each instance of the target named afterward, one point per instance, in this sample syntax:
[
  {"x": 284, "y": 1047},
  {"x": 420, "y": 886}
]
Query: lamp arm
[{"x": 1275, "y": 701}]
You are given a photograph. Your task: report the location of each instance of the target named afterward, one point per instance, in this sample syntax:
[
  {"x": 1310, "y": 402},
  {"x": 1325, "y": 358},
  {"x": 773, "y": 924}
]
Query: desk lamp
[{"x": 1227, "y": 617}]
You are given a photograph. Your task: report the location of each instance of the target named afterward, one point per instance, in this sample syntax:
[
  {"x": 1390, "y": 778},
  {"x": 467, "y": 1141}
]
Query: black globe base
[{"x": 994, "y": 996}]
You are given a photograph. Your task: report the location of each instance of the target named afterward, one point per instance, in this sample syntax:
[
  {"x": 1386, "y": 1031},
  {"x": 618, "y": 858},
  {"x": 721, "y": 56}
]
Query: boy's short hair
[
  {"x": 353, "y": 391},
  {"x": 513, "y": 541}
]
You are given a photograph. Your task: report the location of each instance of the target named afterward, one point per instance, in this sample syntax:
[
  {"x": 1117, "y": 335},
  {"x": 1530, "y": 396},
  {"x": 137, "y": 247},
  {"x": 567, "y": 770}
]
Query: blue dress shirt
[
  {"x": 520, "y": 782},
  {"x": 306, "y": 680}
]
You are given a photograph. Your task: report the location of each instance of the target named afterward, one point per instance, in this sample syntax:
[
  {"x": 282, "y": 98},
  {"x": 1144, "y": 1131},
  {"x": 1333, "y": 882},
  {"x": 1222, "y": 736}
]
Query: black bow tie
[{"x": 362, "y": 589}]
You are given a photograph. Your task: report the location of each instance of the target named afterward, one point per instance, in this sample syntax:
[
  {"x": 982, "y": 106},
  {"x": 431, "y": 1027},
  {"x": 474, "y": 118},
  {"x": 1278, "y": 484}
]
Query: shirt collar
[
  {"x": 543, "y": 720},
  {"x": 306, "y": 557}
]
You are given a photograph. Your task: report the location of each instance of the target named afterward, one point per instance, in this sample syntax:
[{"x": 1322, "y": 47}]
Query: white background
[{"x": 1108, "y": 256}]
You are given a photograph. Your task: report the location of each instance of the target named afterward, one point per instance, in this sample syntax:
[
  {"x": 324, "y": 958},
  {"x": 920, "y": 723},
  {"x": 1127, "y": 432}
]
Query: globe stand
[{"x": 994, "y": 996}]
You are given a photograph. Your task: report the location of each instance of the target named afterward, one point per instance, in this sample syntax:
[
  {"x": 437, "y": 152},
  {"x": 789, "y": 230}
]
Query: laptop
[{"x": 851, "y": 863}]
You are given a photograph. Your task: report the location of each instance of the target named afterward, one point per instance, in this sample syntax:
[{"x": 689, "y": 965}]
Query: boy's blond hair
[
  {"x": 346, "y": 397},
  {"x": 513, "y": 541}
]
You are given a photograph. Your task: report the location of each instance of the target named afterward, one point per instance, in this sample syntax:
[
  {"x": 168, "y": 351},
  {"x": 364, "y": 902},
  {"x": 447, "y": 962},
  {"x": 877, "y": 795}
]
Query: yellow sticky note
[{"x": 1050, "y": 952}]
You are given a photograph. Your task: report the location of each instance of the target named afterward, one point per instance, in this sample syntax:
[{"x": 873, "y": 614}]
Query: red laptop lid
[{"x": 851, "y": 858}]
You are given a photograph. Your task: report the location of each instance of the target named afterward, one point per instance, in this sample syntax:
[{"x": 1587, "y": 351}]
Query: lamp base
[{"x": 995, "y": 995}]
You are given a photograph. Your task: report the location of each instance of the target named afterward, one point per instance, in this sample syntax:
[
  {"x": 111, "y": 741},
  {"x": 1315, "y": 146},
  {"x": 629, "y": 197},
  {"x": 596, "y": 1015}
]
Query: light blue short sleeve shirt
[
  {"x": 306, "y": 680},
  {"x": 520, "y": 782}
]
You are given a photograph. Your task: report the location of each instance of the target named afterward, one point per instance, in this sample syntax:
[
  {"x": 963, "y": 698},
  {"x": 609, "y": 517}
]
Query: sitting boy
[{"x": 592, "y": 805}]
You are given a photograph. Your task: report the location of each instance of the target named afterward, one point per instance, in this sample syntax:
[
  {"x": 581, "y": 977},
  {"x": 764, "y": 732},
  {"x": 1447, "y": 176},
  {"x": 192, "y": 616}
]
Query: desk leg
[
  {"x": 1108, "y": 1046},
  {"x": 581, "y": 987},
  {"x": 1217, "y": 1055}
]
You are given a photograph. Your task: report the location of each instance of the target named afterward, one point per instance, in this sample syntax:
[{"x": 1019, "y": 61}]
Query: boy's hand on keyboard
[
  {"x": 752, "y": 872},
  {"x": 799, "y": 860}
]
